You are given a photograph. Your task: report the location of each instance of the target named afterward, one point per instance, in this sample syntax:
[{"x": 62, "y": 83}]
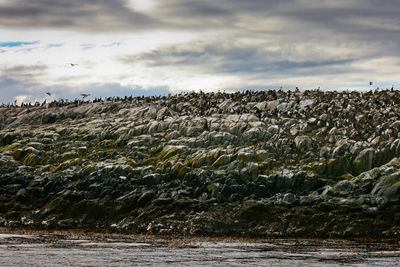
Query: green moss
[
  {"x": 31, "y": 159},
  {"x": 222, "y": 160},
  {"x": 243, "y": 157},
  {"x": 180, "y": 169},
  {"x": 19, "y": 154},
  {"x": 213, "y": 187},
  {"x": 183, "y": 170},
  {"x": 198, "y": 160},
  {"x": 169, "y": 151},
  {"x": 13, "y": 146},
  {"x": 270, "y": 171},
  {"x": 395, "y": 185}
]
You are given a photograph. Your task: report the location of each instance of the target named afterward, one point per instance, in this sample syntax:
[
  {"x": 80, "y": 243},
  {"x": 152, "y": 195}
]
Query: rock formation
[{"x": 278, "y": 163}]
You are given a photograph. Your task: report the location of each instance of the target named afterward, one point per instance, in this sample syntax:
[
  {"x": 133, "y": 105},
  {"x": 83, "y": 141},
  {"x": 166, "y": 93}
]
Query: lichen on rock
[{"x": 293, "y": 163}]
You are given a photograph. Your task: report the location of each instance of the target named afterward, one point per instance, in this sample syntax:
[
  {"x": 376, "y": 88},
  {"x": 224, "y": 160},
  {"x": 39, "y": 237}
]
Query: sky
[{"x": 156, "y": 47}]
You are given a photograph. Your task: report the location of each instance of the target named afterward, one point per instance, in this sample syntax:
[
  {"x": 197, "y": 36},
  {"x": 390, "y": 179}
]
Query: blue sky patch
[
  {"x": 113, "y": 44},
  {"x": 16, "y": 44},
  {"x": 54, "y": 45},
  {"x": 87, "y": 46}
]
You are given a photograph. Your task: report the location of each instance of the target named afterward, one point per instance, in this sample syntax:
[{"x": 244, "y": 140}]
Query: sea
[{"x": 77, "y": 248}]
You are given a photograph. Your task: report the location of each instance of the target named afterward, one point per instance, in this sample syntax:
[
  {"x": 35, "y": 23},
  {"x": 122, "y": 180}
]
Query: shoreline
[{"x": 98, "y": 235}]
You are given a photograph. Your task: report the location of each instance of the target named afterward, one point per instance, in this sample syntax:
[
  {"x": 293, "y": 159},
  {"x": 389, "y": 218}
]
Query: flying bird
[
  {"x": 48, "y": 93},
  {"x": 370, "y": 83},
  {"x": 85, "y": 95},
  {"x": 73, "y": 64}
]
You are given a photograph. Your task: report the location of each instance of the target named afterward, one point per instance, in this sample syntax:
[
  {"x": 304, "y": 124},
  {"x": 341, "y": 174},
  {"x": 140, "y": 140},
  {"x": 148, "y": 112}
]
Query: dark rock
[
  {"x": 49, "y": 118},
  {"x": 254, "y": 211},
  {"x": 388, "y": 187},
  {"x": 364, "y": 161},
  {"x": 145, "y": 198}
]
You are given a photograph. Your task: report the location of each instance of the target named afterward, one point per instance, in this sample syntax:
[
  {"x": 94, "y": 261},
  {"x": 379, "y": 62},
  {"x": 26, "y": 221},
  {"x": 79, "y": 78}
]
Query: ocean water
[{"x": 79, "y": 249}]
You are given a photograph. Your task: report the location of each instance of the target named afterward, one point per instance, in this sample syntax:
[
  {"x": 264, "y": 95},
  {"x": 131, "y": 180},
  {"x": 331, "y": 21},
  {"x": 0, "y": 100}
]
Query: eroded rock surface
[{"x": 267, "y": 163}]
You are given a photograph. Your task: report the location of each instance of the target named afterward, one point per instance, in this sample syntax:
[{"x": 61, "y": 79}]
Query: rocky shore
[{"x": 265, "y": 163}]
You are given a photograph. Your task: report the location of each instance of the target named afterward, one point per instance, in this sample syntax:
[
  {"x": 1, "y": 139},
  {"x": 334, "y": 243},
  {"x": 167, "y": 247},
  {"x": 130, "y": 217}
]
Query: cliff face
[{"x": 276, "y": 163}]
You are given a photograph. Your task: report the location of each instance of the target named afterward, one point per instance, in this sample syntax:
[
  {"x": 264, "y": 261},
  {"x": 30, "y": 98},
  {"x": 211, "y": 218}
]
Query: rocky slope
[{"x": 263, "y": 163}]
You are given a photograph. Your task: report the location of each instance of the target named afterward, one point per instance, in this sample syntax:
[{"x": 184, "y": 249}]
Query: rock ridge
[{"x": 279, "y": 163}]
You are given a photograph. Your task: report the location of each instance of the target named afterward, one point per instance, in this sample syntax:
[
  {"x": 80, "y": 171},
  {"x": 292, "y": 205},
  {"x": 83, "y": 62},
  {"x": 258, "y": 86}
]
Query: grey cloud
[
  {"x": 11, "y": 87},
  {"x": 301, "y": 31},
  {"x": 296, "y": 20},
  {"x": 22, "y": 80},
  {"x": 20, "y": 69},
  {"x": 24, "y": 74},
  {"x": 231, "y": 58},
  {"x": 196, "y": 8},
  {"x": 298, "y": 15},
  {"x": 211, "y": 15},
  {"x": 81, "y": 15},
  {"x": 363, "y": 28},
  {"x": 210, "y": 8},
  {"x": 357, "y": 17}
]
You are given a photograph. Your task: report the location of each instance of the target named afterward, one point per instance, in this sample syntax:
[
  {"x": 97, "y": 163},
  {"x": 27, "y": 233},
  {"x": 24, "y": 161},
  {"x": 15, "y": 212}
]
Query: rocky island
[{"x": 256, "y": 163}]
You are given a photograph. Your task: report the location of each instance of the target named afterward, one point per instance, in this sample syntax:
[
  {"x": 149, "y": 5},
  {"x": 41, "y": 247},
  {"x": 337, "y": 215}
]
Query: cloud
[
  {"x": 236, "y": 58},
  {"x": 23, "y": 83},
  {"x": 23, "y": 74},
  {"x": 360, "y": 17},
  {"x": 20, "y": 80},
  {"x": 11, "y": 88},
  {"x": 186, "y": 44},
  {"x": 79, "y": 15}
]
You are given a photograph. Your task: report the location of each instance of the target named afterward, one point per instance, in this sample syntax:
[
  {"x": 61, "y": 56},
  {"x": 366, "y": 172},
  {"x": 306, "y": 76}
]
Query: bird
[
  {"x": 85, "y": 95},
  {"x": 48, "y": 93},
  {"x": 371, "y": 83},
  {"x": 73, "y": 64}
]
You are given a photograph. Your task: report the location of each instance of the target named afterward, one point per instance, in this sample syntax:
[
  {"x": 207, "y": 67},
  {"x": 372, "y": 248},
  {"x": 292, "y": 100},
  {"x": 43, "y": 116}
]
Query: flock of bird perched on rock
[
  {"x": 274, "y": 93},
  {"x": 352, "y": 110}
]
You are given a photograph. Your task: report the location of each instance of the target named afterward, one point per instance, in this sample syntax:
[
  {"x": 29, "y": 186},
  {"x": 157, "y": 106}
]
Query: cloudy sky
[{"x": 151, "y": 47}]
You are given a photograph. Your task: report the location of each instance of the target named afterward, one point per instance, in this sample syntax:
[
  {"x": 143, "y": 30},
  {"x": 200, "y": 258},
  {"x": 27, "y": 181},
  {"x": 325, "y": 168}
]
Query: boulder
[
  {"x": 254, "y": 211},
  {"x": 169, "y": 151},
  {"x": 271, "y": 105},
  {"x": 253, "y": 134},
  {"x": 145, "y": 198},
  {"x": 338, "y": 166},
  {"x": 303, "y": 143},
  {"x": 289, "y": 198},
  {"x": 49, "y": 118},
  {"x": 364, "y": 161},
  {"x": 222, "y": 160},
  {"x": 388, "y": 187}
]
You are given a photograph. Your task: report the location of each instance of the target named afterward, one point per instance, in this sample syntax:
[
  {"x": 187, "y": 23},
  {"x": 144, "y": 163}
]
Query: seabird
[
  {"x": 85, "y": 95},
  {"x": 48, "y": 93},
  {"x": 73, "y": 64}
]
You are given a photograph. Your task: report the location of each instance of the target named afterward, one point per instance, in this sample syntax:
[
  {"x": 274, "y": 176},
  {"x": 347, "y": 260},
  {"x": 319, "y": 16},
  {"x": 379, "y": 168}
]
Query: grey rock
[
  {"x": 49, "y": 118},
  {"x": 289, "y": 198},
  {"x": 303, "y": 143},
  {"x": 364, "y": 161},
  {"x": 146, "y": 198},
  {"x": 388, "y": 187}
]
